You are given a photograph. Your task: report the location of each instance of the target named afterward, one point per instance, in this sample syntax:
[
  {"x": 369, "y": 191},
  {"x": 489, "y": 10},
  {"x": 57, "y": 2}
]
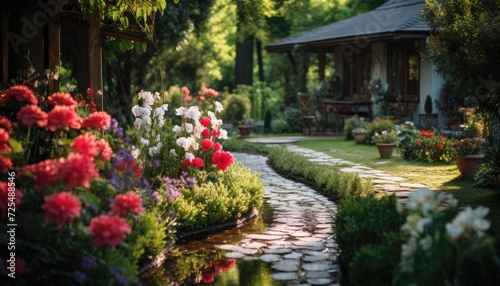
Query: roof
[{"x": 394, "y": 18}]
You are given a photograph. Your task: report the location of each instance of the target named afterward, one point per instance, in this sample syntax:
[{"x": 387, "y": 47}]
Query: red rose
[
  {"x": 85, "y": 144},
  {"x": 20, "y": 93},
  {"x": 61, "y": 208},
  {"x": 97, "y": 120},
  {"x": 129, "y": 202},
  {"x": 77, "y": 170},
  {"x": 222, "y": 160},
  {"x": 60, "y": 98},
  {"x": 108, "y": 230},
  {"x": 4, "y": 198},
  {"x": 31, "y": 114},
  {"x": 207, "y": 144},
  {"x": 205, "y": 121},
  {"x": 63, "y": 117}
]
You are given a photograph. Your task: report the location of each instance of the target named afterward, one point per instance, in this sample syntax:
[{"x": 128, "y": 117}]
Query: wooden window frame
[
  {"x": 356, "y": 59},
  {"x": 406, "y": 48}
]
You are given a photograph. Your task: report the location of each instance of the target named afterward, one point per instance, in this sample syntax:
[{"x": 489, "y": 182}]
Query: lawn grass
[{"x": 438, "y": 177}]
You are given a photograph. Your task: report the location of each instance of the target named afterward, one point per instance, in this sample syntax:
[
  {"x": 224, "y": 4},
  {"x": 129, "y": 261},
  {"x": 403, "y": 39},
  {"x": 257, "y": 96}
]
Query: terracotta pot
[
  {"x": 385, "y": 149},
  {"x": 468, "y": 165},
  {"x": 360, "y": 138},
  {"x": 245, "y": 130}
]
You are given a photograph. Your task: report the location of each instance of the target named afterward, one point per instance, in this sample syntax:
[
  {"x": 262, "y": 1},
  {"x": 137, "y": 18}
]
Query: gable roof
[{"x": 393, "y": 19}]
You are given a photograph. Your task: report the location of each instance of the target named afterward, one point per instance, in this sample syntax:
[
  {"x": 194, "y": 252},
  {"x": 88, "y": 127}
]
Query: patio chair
[{"x": 311, "y": 113}]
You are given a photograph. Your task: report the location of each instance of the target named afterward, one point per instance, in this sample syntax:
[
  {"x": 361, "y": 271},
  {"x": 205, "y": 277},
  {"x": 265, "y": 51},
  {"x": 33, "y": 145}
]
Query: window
[
  {"x": 357, "y": 69},
  {"x": 403, "y": 74}
]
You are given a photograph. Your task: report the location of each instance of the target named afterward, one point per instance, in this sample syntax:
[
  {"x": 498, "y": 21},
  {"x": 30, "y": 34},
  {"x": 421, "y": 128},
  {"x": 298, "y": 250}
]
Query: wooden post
[
  {"x": 321, "y": 68},
  {"x": 95, "y": 57},
  {"x": 55, "y": 49}
]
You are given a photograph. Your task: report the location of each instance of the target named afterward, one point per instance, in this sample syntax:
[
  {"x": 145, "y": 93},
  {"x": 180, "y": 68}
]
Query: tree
[{"x": 465, "y": 46}]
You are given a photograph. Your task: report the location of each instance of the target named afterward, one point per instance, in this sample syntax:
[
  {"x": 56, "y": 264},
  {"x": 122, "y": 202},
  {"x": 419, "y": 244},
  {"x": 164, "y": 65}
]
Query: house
[{"x": 386, "y": 44}]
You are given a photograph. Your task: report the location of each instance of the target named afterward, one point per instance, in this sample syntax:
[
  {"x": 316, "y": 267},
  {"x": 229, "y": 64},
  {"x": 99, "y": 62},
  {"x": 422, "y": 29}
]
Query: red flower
[
  {"x": 97, "y": 120},
  {"x": 222, "y": 160},
  {"x": 419, "y": 141},
  {"x": 4, "y": 136},
  {"x": 207, "y": 144},
  {"x": 5, "y": 164},
  {"x": 124, "y": 166},
  {"x": 208, "y": 277},
  {"x": 187, "y": 163},
  {"x": 5, "y": 124},
  {"x": 198, "y": 162},
  {"x": 45, "y": 173},
  {"x": 441, "y": 138},
  {"x": 205, "y": 132},
  {"x": 20, "y": 93},
  {"x": 224, "y": 264},
  {"x": 129, "y": 202},
  {"x": 439, "y": 146},
  {"x": 105, "y": 151},
  {"x": 61, "y": 208},
  {"x": 218, "y": 146},
  {"x": 60, "y": 98},
  {"x": 215, "y": 133},
  {"x": 77, "y": 170},
  {"x": 108, "y": 230},
  {"x": 63, "y": 117},
  {"x": 185, "y": 90},
  {"x": 31, "y": 114},
  {"x": 85, "y": 144},
  {"x": 205, "y": 121},
  {"x": 4, "y": 198}
]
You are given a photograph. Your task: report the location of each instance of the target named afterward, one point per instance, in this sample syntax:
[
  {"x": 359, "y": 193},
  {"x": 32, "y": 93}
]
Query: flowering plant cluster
[
  {"x": 426, "y": 146},
  {"x": 469, "y": 146},
  {"x": 438, "y": 250},
  {"x": 61, "y": 191},
  {"x": 386, "y": 137},
  {"x": 378, "y": 89}
]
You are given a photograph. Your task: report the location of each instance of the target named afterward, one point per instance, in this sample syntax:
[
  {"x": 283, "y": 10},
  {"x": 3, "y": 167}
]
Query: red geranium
[
  {"x": 61, "y": 208},
  {"x": 205, "y": 132},
  {"x": 5, "y": 124},
  {"x": 85, "y": 144},
  {"x": 61, "y": 98},
  {"x": 222, "y": 160},
  {"x": 125, "y": 203},
  {"x": 20, "y": 93},
  {"x": 97, "y": 120},
  {"x": 187, "y": 163},
  {"x": 4, "y": 198},
  {"x": 31, "y": 114},
  {"x": 218, "y": 146},
  {"x": 207, "y": 144},
  {"x": 63, "y": 117},
  {"x": 108, "y": 230},
  {"x": 45, "y": 173},
  {"x": 205, "y": 121},
  {"x": 105, "y": 151},
  {"x": 77, "y": 170},
  {"x": 198, "y": 162}
]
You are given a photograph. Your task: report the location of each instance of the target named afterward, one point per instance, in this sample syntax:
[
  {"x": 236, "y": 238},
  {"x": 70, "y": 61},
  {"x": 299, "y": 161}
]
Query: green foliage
[
  {"x": 239, "y": 145},
  {"x": 293, "y": 117},
  {"x": 236, "y": 108},
  {"x": 237, "y": 192},
  {"x": 330, "y": 181},
  {"x": 489, "y": 174},
  {"x": 374, "y": 264},
  {"x": 427, "y": 147},
  {"x": 267, "y": 121},
  {"x": 365, "y": 221},
  {"x": 261, "y": 97},
  {"x": 378, "y": 125},
  {"x": 279, "y": 125},
  {"x": 353, "y": 123},
  {"x": 428, "y": 104}
]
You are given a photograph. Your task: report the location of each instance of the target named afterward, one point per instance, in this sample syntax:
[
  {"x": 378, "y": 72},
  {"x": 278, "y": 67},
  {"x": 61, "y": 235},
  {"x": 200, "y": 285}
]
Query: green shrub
[
  {"x": 428, "y": 147},
  {"x": 236, "y": 108},
  {"x": 279, "y": 125},
  {"x": 374, "y": 264},
  {"x": 293, "y": 117},
  {"x": 353, "y": 123},
  {"x": 364, "y": 221},
  {"x": 377, "y": 126}
]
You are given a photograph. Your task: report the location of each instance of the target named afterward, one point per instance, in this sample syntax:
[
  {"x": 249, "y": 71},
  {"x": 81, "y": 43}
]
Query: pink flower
[
  {"x": 207, "y": 144},
  {"x": 205, "y": 121},
  {"x": 218, "y": 146},
  {"x": 31, "y": 114},
  {"x": 129, "y": 202},
  {"x": 63, "y": 117},
  {"x": 222, "y": 160},
  {"x": 108, "y": 230},
  {"x": 185, "y": 90},
  {"x": 20, "y": 93},
  {"x": 85, "y": 144},
  {"x": 44, "y": 173},
  {"x": 5, "y": 164},
  {"x": 77, "y": 170},
  {"x": 198, "y": 162},
  {"x": 105, "y": 151},
  {"x": 97, "y": 120},
  {"x": 4, "y": 198},
  {"x": 60, "y": 98},
  {"x": 61, "y": 208},
  {"x": 5, "y": 124}
]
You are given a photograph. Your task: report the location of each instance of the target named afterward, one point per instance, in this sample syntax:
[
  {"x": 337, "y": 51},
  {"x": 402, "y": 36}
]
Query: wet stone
[
  {"x": 264, "y": 237},
  {"x": 318, "y": 274},
  {"x": 278, "y": 250},
  {"x": 286, "y": 266},
  {"x": 284, "y": 276},
  {"x": 320, "y": 281},
  {"x": 293, "y": 255},
  {"x": 270, "y": 258},
  {"x": 235, "y": 255},
  {"x": 316, "y": 266}
]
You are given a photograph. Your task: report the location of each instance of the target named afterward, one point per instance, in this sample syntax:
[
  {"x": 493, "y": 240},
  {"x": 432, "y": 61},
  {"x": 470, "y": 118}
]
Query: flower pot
[
  {"x": 385, "y": 149},
  {"x": 245, "y": 130},
  {"x": 469, "y": 165},
  {"x": 360, "y": 138}
]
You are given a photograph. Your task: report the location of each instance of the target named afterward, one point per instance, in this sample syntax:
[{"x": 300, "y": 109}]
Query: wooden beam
[
  {"x": 5, "y": 47},
  {"x": 321, "y": 68},
  {"x": 55, "y": 49},
  {"x": 95, "y": 57}
]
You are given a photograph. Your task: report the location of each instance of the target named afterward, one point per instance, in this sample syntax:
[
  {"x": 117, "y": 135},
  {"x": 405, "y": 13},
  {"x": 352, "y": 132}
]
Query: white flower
[
  {"x": 135, "y": 152},
  {"x": 136, "y": 110},
  {"x": 165, "y": 107},
  {"x": 193, "y": 112},
  {"x": 426, "y": 242},
  {"x": 172, "y": 152},
  {"x": 223, "y": 134},
  {"x": 146, "y": 120},
  {"x": 408, "y": 250},
  {"x": 177, "y": 129},
  {"x": 189, "y": 156},
  {"x": 148, "y": 98},
  {"x": 454, "y": 230},
  {"x": 181, "y": 142},
  {"x": 70, "y": 87},
  {"x": 181, "y": 111},
  {"x": 159, "y": 145},
  {"x": 212, "y": 116},
  {"x": 218, "y": 107},
  {"x": 157, "y": 96},
  {"x": 159, "y": 112},
  {"x": 469, "y": 221},
  {"x": 144, "y": 141},
  {"x": 189, "y": 127},
  {"x": 138, "y": 123},
  {"x": 153, "y": 151}
]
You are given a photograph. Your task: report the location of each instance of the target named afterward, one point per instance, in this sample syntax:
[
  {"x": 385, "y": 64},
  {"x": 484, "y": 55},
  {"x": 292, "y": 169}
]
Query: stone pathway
[{"x": 299, "y": 244}]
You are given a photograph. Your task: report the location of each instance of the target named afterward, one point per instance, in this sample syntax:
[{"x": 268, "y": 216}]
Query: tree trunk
[
  {"x": 244, "y": 62},
  {"x": 259, "y": 60}
]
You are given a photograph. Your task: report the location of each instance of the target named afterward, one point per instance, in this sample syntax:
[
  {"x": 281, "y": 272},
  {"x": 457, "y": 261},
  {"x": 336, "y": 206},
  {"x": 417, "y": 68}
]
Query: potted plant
[
  {"x": 246, "y": 127},
  {"x": 359, "y": 134},
  {"x": 385, "y": 142},
  {"x": 469, "y": 155}
]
